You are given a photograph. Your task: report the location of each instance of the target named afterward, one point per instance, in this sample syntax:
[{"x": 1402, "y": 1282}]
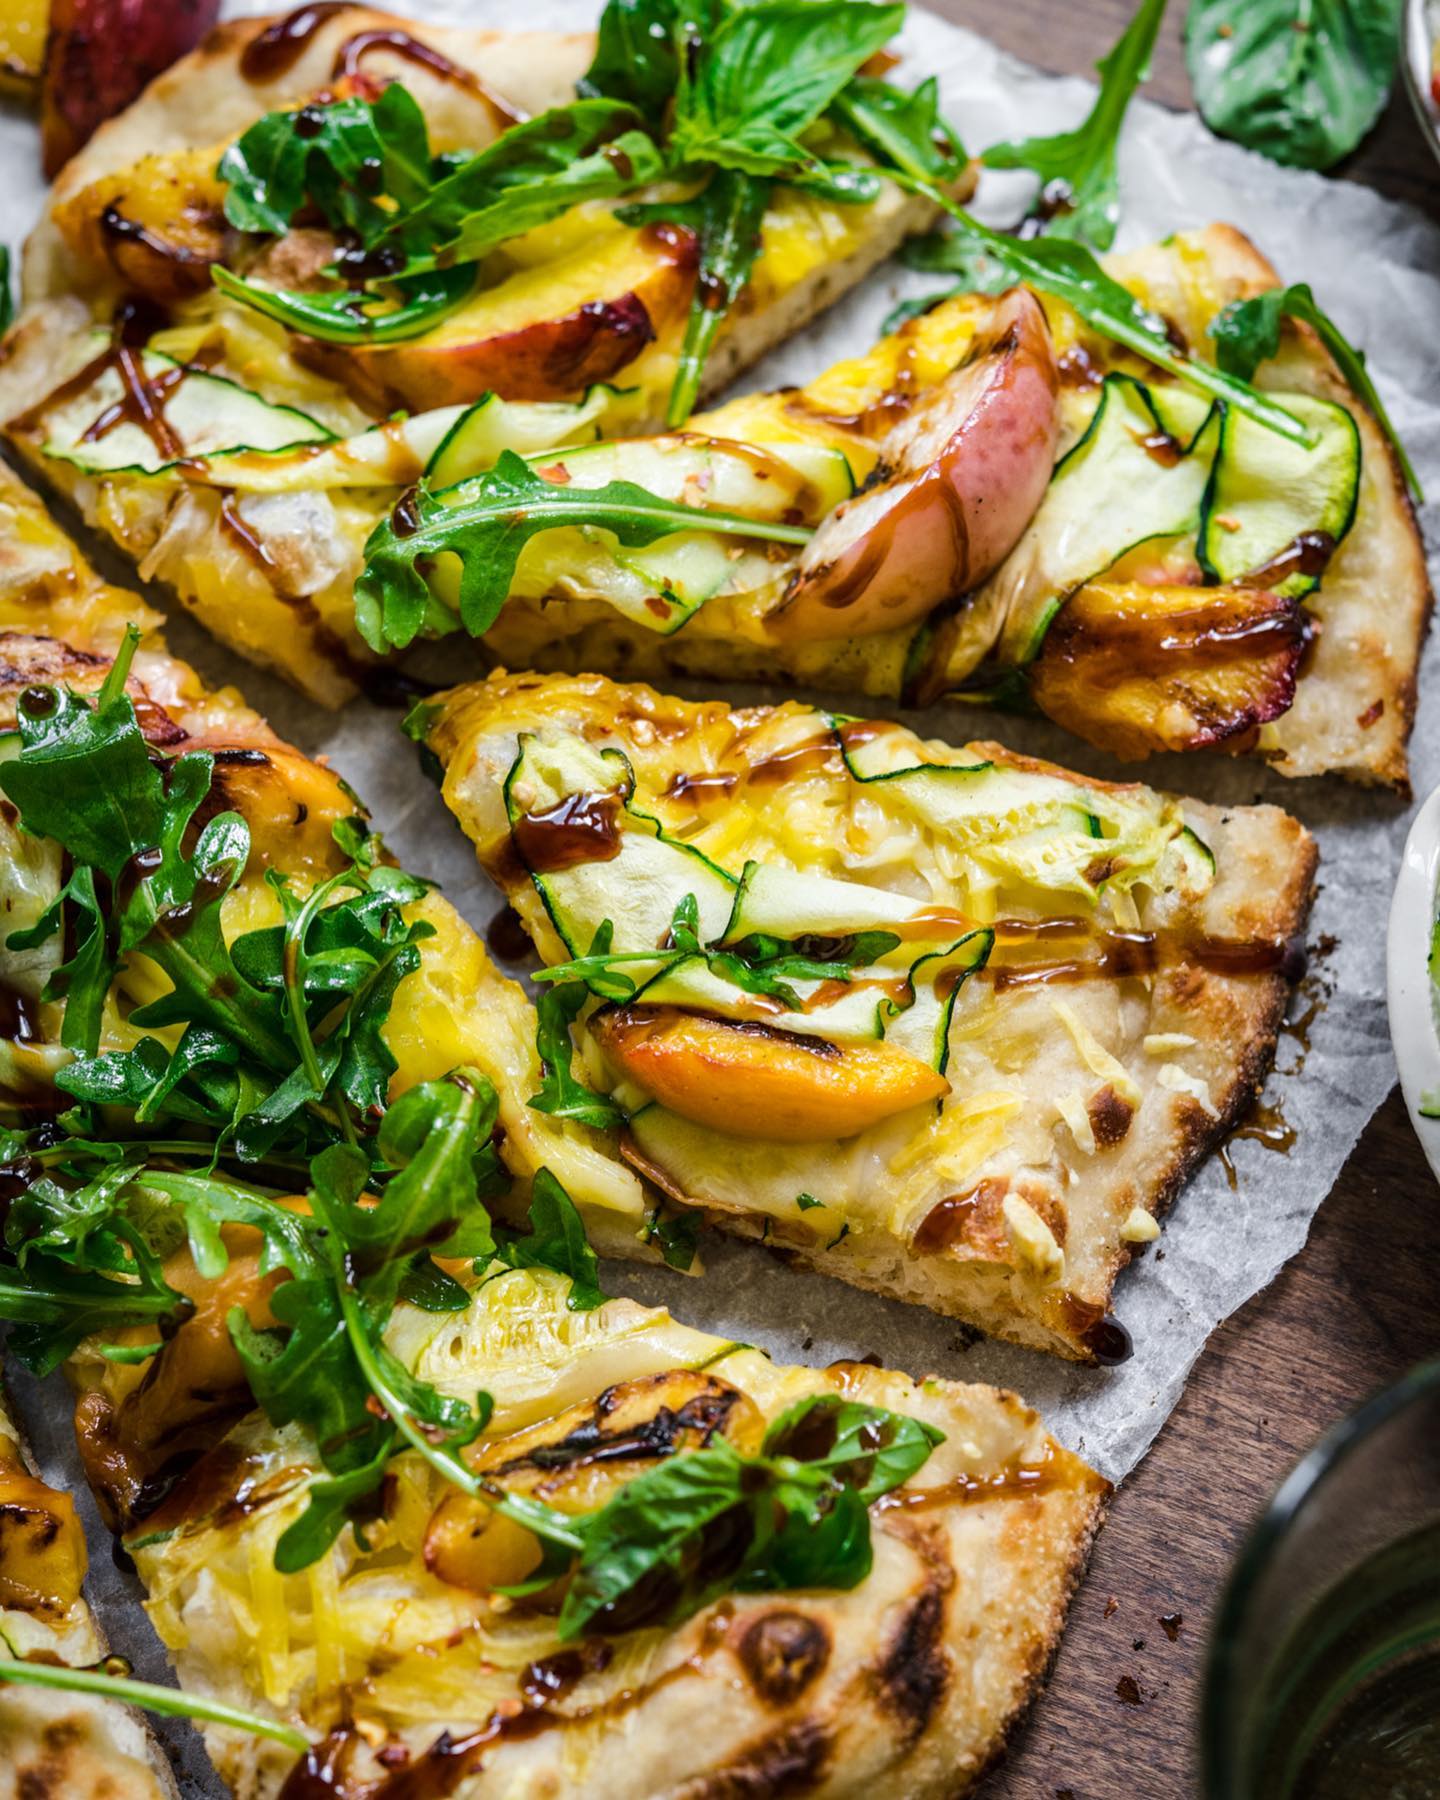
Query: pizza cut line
[
  {"x": 451, "y": 1608},
  {"x": 947, "y": 1023},
  {"x": 58, "y": 1743}
]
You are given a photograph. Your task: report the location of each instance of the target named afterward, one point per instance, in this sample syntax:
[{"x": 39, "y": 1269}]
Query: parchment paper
[{"x": 1376, "y": 266}]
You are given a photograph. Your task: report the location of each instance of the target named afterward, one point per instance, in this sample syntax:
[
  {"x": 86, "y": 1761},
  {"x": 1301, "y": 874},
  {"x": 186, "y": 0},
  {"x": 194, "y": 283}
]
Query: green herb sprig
[
  {"x": 486, "y": 522},
  {"x": 1080, "y": 183},
  {"x": 1247, "y": 333}
]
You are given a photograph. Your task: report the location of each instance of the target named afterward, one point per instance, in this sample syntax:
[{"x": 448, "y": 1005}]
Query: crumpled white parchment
[{"x": 1375, "y": 265}]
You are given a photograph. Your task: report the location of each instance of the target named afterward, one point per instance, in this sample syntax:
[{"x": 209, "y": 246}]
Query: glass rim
[{"x": 1218, "y": 1776}]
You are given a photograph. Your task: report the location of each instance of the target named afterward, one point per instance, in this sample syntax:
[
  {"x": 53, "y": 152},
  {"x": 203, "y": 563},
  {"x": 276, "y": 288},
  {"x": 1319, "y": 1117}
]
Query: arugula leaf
[
  {"x": 726, "y": 219},
  {"x": 1247, "y": 333},
  {"x": 401, "y": 309},
  {"x": 677, "y": 1234},
  {"x": 1302, "y": 81},
  {"x": 342, "y": 156},
  {"x": 281, "y": 1046},
  {"x": 1068, "y": 271},
  {"x": 562, "y": 1094},
  {"x": 767, "y": 74},
  {"x": 532, "y": 173},
  {"x": 556, "y": 1240},
  {"x": 1077, "y": 169},
  {"x": 486, "y": 522},
  {"x": 169, "y": 1702}
]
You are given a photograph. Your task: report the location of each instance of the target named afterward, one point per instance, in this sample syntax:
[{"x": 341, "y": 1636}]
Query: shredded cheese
[
  {"x": 1179, "y": 1082},
  {"x": 1072, "y": 1110},
  {"x": 1095, "y": 1055},
  {"x": 1033, "y": 1240},
  {"x": 1166, "y": 1043},
  {"x": 1140, "y": 1227}
]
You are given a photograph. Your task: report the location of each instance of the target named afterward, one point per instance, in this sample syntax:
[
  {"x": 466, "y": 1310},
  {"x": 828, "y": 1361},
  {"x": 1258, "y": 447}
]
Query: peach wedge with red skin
[
  {"x": 546, "y": 332},
  {"x": 960, "y": 476},
  {"x": 1134, "y": 669},
  {"x": 751, "y": 1080},
  {"x": 100, "y": 54}
]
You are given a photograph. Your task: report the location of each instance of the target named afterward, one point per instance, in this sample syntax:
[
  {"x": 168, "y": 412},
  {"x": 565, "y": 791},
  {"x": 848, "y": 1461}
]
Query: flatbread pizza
[
  {"x": 271, "y": 291},
  {"x": 944, "y": 1022},
  {"x": 409, "y": 1495}
]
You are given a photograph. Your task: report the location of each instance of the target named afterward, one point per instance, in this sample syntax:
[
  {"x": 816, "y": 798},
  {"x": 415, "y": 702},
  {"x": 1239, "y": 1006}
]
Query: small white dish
[
  {"x": 1415, "y": 61},
  {"x": 1414, "y": 1027}
]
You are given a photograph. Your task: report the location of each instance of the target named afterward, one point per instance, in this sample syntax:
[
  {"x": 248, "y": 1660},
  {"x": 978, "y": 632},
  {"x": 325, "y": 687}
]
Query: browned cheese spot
[
  {"x": 915, "y": 1668},
  {"x": 1110, "y": 1117},
  {"x": 782, "y": 1653}
]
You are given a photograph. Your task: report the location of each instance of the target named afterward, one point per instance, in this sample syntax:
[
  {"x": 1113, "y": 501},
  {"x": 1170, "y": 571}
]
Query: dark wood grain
[
  {"x": 1352, "y": 1311},
  {"x": 1068, "y": 35}
]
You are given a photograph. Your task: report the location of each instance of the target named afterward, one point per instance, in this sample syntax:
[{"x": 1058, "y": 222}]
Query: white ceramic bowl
[
  {"x": 1415, "y": 55},
  {"x": 1414, "y": 1028}
]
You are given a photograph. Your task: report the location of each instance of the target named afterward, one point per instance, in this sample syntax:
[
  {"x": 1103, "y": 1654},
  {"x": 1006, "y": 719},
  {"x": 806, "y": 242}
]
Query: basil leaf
[
  {"x": 769, "y": 72},
  {"x": 638, "y": 45},
  {"x": 1247, "y": 333},
  {"x": 1077, "y": 169},
  {"x": 486, "y": 522},
  {"x": 667, "y": 1541},
  {"x": 556, "y": 1240},
  {"x": 1302, "y": 81},
  {"x": 906, "y": 131},
  {"x": 354, "y": 315},
  {"x": 866, "y": 1447},
  {"x": 727, "y": 218}
]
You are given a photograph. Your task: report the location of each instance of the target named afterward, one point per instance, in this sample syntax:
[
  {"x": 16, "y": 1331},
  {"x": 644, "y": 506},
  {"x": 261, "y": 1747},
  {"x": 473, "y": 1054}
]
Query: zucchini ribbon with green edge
[{"x": 262, "y": 1073}]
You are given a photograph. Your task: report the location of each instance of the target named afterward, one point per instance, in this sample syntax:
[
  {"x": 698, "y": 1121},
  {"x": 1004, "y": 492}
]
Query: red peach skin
[
  {"x": 100, "y": 54},
  {"x": 958, "y": 480}
]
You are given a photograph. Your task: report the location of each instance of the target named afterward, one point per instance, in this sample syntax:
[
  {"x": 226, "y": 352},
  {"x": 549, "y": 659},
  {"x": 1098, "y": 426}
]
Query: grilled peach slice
[
  {"x": 1135, "y": 669},
  {"x": 575, "y": 1462},
  {"x": 157, "y": 225},
  {"x": 188, "y": 1395},
  {"x": 42, "y": 1543},
  {"x": 959, "y": 476},
  {"x": 544, "y": 332},
  {"x": 753, "y": 1081},
  {"x": 100, "y": 54}
]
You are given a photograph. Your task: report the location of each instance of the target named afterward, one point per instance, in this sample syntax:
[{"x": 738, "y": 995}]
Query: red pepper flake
[
  {"x": 1370, "y": 714},
  {"x": 1127, "y": 1688}
]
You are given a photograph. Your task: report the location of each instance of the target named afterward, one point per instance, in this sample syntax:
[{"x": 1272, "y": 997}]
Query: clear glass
[{"x": 1323, "y": 1678}]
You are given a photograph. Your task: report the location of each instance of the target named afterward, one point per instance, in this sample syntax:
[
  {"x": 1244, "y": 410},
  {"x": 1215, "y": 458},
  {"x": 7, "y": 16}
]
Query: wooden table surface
[{"x": 1352, "y": 1311}]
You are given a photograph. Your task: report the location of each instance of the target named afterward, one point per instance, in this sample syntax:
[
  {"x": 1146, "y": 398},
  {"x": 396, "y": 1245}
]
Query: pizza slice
[
  {"x": 1181, "y": 577},
  {"x": 416, "y": 1506},
  {"x": 318, "y": 224},
  {"x": 54, "y": 1741},
  {"x": 948, "y": 1023}
]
